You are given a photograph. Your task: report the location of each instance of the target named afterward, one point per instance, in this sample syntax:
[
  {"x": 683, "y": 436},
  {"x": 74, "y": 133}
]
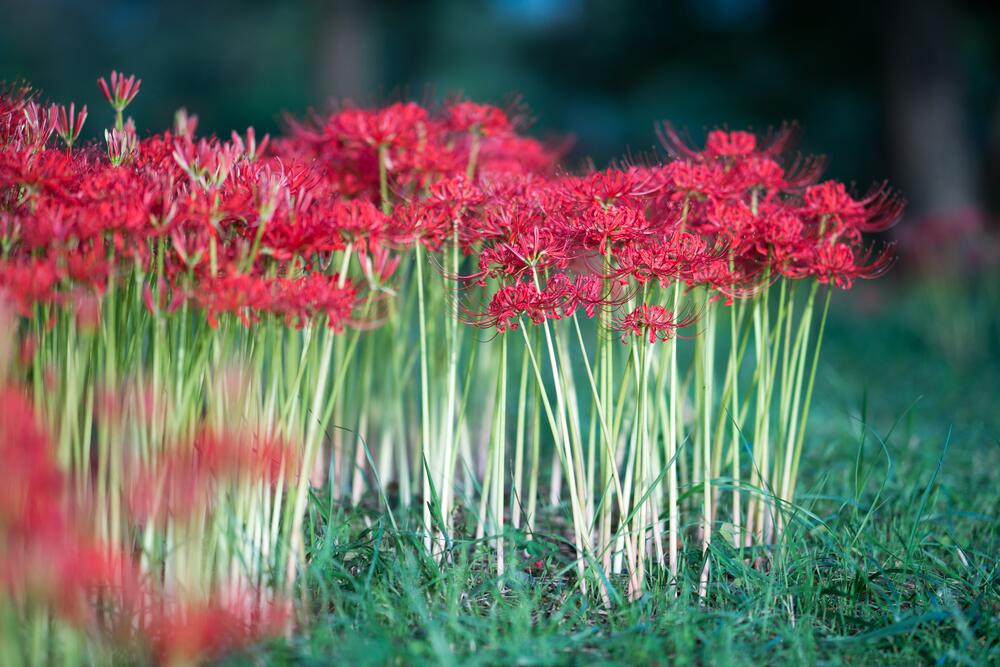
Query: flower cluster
[
  {"x": 43, "y": 558},
  {"x": 243, "y": 226},
  {"x": 162, "y": 261},
  {"x": 249, "y": 228},
  {"x": 731, "y": 217},
  {"x": 204, "y": 220},
  {"x": 47, "y": 561}
]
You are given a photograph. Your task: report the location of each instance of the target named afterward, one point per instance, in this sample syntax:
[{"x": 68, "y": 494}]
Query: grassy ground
[{"x": 894, "y": 558}]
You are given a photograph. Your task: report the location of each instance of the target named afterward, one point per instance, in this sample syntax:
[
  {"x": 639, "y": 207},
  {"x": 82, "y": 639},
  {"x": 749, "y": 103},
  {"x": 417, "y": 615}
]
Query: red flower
[
  {"x": 397, "y": 126},
  {"x": 510, "y": 303},
  {"x": 528, "y": 246},
  {"x": 729, "y": 144},
  {"x": 875, "y": 212},
  {"x": 123, "y": 145},
  {"x": 121, "y": 92},
  {"x": 651, "y": 322},
  {"x": 27, "y": 282},
  {"x": 209, "y": 162},
  {"x": 482, "y": 118},
  {"x": 610, "y": 187},
  {"x": 69, "y": 123},
  {"x": 298, "y": 301},
  {"x": 841, "y": 264},
  {"x": 39, "y": 124},
  {"x": 191, "y": 631}
]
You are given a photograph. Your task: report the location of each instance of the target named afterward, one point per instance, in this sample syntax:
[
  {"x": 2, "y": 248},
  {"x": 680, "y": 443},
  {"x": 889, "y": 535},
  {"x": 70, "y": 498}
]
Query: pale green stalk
[
  {"x": 708, "y": 370},
  {"x": 563, "y": 451},
  {"x": 500, "y": 454},
  {"x": 640, "y": 455},
  {"x": 672, "y": 448},
  {"x": 536, "y": 444},
  {"x": 426, "y": 454},
  {"x": 800, "y": 438},
  {"x": 604, "y": 543},
  {"x": 795, "y": 378},
  {"x": 516, "y": 496}
]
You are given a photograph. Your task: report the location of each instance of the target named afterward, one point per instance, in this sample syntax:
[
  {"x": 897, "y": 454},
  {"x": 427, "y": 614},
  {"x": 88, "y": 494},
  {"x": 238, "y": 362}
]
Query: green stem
[
  {"x": 383, "y": 179},
  {"x": 425, "y": 416},
  {"x": 517, "y": 483},
  {"x": 800, "y": 438},
  {"x": 500, "y": 414}
]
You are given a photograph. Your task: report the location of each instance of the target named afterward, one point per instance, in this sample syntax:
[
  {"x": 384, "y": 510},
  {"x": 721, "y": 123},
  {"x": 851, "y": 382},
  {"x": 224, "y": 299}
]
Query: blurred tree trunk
[
  {"x": 346, "y": 51},
  {"x": 929, "y": 138}
]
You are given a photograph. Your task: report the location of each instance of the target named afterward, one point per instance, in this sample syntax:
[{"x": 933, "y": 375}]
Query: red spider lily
[
  {"x": 415, "y": 148},
  {"x": 726, "y": 144},
  {"x": 298, "y": 301},
  {"x": 480, "y": 118},
  {"x": 875, "y": 212},
  {"x": 693, "y": 179},
  {"x": 112, "y": 203},
  {"x": 122, "y": 90},
  {"x": 188, "y": 632},
  {"x": 679, "y": 257},
  {"x": 511, "y": 303},
  {"x": 432, "y": 221},
  {"x": 608, "y": 228},
  {"x": 841, "y": 264},
  {"x": 123, "y": 145},
  {"x": 732, "y": 219},
  {"x": 69, "y": 123},
  {"x": 529, "y": 246},
  {"x": 397, "y": 126},
  {"x": 185, "y": 124},
  {"x": 592, "y": 292},
  {"x": 748, "y": 160},
  {"x": 12, "y": 101},
  {"x": 39, "y": 124},
  {"x": 242, "y": 295},
  {"x": 764, "y": 172},
  {"x": 610, "y": 187},
  {"x": 27, "y": 282},
  {"x": 42, "y": 558},
  {"x": 247, "y": 231},
  {"x": 512, "y": 154},
  {"x": 249, "y": 147},
  {"x": 30, "y": 498},
  {"x": 745, "y": 210},
  {"x": 38, "y": 173},
  {"x": 357, "y": 222},
  {"x": 729, "y": 144},
  {"x": 651, "y": 322},
  {"x": 181, "y": 483},
  {"x": 209, "y": 162}
]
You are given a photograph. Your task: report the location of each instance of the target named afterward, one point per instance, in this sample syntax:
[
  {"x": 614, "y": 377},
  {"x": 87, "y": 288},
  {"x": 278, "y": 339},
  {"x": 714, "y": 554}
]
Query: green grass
[{"x": 892, "y": 557}]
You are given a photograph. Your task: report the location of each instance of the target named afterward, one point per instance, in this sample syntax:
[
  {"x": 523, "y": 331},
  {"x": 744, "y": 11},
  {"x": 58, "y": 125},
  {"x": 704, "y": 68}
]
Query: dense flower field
[{"x": 204, "y": 337}]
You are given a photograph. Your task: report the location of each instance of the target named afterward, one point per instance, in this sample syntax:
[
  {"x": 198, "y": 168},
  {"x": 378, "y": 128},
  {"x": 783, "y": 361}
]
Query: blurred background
[{"x": 907, "y": 90}]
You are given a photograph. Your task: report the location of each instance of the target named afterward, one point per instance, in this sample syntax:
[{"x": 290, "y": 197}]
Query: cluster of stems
[{"x": 229, "y": 342}]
